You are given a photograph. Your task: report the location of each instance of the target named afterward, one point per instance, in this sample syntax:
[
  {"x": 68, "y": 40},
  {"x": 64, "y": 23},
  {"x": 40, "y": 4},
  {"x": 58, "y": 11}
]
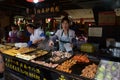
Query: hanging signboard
[
  {"x": 52, "y": 11},
  {"x": 47, "y": 10}
]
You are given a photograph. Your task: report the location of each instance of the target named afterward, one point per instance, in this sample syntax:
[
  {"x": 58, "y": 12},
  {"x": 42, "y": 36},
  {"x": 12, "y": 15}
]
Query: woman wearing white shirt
[
  {"x": 37, "y": 35},
  {"x": 64, "y": 35}
]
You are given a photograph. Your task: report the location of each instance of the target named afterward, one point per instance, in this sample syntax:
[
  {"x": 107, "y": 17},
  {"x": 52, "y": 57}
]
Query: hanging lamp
[{"x": 35, "y": 1}]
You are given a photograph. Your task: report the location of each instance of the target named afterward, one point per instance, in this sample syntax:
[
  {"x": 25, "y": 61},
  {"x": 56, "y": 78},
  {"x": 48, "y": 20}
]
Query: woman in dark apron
[{"x": 13, "y": 34}]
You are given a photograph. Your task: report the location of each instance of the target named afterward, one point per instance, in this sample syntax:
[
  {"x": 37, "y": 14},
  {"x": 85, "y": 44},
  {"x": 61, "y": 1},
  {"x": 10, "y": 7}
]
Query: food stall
[{"x": 31, "y": 63}]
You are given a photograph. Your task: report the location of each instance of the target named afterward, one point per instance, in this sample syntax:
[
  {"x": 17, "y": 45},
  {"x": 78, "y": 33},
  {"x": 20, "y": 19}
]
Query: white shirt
[
  {"x": 65, "y": 35},
  {"x": 37, "y": 35},
  {"x": 71, "y": 34},
  {"x": 11, "y": 32}
]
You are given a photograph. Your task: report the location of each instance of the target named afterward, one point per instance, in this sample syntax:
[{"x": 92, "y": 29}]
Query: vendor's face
[
  {"x": 30, "y": 30},
  {"x": 65, "y": 25},
  {"x": 13, "y": 28}
]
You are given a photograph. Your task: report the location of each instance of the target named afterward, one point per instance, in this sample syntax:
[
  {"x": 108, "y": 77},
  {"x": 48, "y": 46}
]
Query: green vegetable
[
  {"x": 100, "y": 76},
  {"x": 113, "y": 68},
  {"x": 109, "y": 77},
  {"x": 102, "y": 69}
]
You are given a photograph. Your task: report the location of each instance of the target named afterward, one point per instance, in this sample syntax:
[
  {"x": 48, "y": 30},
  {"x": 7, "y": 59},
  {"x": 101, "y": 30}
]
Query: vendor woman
[
  {"x": 13, "y": 34},
  {"x": 37, "y": 35},
  {"x": 64, "y": 35}
]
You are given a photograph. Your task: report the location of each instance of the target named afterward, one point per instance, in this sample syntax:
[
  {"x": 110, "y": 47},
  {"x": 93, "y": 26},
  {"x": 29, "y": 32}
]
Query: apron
[
  {"x": 63, "y": 40},
  {"x": 13, "y": 37}
]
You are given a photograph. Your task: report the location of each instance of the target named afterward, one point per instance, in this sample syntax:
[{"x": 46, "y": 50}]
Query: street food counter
[{"x": 36, "y": 64}]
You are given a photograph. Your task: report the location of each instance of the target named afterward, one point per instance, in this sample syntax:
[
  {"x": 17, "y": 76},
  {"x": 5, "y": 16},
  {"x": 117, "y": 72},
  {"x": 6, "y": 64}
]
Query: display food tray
[
  {"x": 32, "y": 55},
  {"x": 47, "y": 57},
  {"x": 60, "y": 61},
  {"x": 77, "y": 68},
  {"x": 29, "y": 51},
  {"x": 108, "y": 70}
]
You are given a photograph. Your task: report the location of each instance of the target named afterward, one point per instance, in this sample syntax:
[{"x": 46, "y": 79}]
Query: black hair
[
  {"x": 31, "y": 26},
  {"x": 13, "y": 25},
  {"x": 65, "y": 19}
]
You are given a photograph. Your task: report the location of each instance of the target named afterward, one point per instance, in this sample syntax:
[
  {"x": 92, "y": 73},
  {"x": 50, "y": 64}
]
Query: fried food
[
  {"x": 45, "y": 64},
  {"x": 26, "y": 50},
  {"x": 89, "y": 71},
  {"x": 66, "y": 66},
  {"x": 58, "y": 55},
  {"x": 33, "y": 55},
  {"x": 81, "y": 58},
  {"x": 11, "y": 52}
]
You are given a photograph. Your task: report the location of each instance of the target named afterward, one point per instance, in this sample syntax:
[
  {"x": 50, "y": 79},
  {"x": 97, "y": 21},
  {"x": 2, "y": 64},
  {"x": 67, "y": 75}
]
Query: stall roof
[
  {"x": 21, "y": 5},
  {"x": 65, "y": 4}
]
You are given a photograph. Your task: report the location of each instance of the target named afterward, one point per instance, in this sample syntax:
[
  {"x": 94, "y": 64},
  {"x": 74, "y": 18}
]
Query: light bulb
[{"x": 35, "y": 1}]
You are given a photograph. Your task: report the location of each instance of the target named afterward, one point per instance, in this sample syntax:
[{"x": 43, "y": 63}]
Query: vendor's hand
[
  {"x": 51, "y": 43},
  {"x": 38, "y": 41},
  {"x": 35, "y": 41}
]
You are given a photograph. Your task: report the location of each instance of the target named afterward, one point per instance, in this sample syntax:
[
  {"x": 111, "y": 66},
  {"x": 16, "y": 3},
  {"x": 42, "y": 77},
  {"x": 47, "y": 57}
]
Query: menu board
[{"x": 95, "y": 32}]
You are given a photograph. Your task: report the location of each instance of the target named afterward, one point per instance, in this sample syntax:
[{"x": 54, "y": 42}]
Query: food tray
[
  {"x": 47, "y": 57},
  {"x": 10, "y": 52},
  {"x": 75, "y": 67},
  {"x": 62, "y": 58},
  {"x": 4, "y": 47},
  {"x": 59, "y": 61},
  {"x": 26, "y": 50},
  {"x": 81, "y": 68},
  {"x": 108, "y": 70},
  {"x": 44, "y": 60},
  {"x": 32, "y": 55}
]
